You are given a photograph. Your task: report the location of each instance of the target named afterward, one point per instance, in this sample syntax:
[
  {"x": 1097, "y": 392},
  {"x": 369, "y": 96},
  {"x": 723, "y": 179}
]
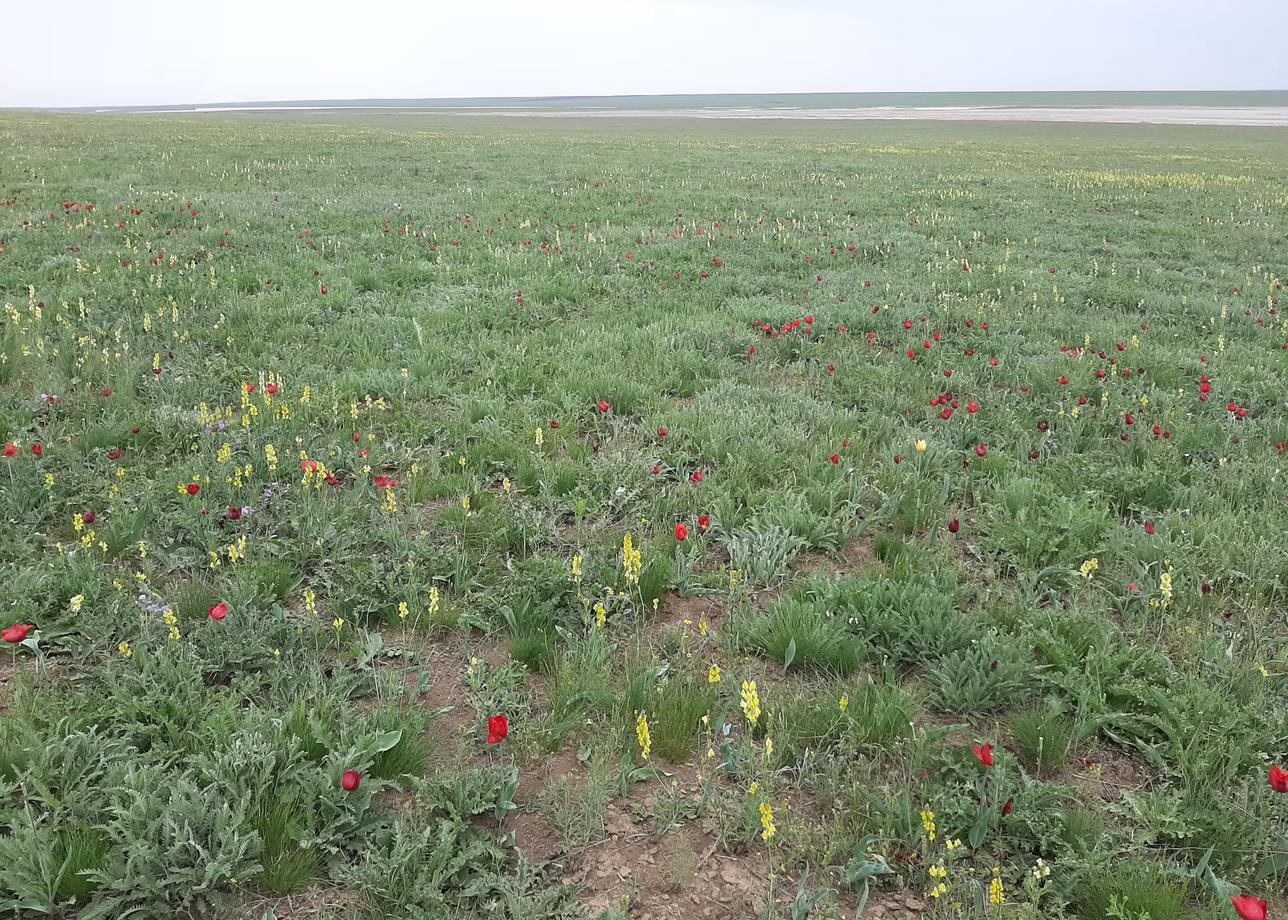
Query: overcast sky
[{"x": 137, "y": 52}]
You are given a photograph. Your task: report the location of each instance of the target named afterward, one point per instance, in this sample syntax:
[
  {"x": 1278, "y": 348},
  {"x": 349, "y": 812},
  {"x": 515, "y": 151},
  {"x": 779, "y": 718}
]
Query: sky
[{"x": 145, "y": 52}]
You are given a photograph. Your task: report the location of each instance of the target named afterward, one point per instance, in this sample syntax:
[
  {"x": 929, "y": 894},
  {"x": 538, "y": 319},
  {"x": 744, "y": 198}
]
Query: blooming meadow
[{"x": 408, "y": 517}]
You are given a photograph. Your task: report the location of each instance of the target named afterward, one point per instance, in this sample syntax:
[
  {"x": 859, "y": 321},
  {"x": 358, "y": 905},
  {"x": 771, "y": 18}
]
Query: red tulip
[
  {"x": 954, "y": 525},
  {"x": 37, "y": 449},
  {"x": 981, "y": 450},
  {"x": 219, "y": 611},
  {"x": 704, "y": 521},
  {"x": 234, "y": 513},
  {"x": 696, "y": 476},
  {"x": 681, "y": 532},
  {"x": 497, "y": 728},
  {"x": 983, "y": 753},
  {"x": 661, "y": 431},
  {"x": 16, "y": 633},
  {"x": 898, "y": 458},
  {"x": 1278, "y": 778},
  {"x": 1249, "y": 907},
  {"x": 89, "y": 517},
  {"x": 972, "y": 407},
  {"x": 603, "y": 405},
  {"x": 350, "y": 781},
  {"x": 193, "y": 488},
  {"x": 1149, "y": 528},
  {"x": 835, "y": 458},
  {"x": 1008, "y": 807},
  {"x": 1064, "y": 380},
  {"x": 272, "y": 387},
  {"x": 11, "y": 449},
  {"x": 114, "y": 454}
]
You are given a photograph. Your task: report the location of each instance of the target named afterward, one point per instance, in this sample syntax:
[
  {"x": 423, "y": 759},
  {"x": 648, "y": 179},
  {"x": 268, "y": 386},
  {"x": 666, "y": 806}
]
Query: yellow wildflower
[
  {"x": 749, "y": 701},
  {"x": 643, "y": 735},
  {"x": 996, "y": 891},
  {"x": 768, "y": 828},
  {"x": 632, "y": 560}
]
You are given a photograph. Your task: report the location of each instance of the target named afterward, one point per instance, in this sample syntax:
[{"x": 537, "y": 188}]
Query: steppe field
[{"x": 460, "y": 516}]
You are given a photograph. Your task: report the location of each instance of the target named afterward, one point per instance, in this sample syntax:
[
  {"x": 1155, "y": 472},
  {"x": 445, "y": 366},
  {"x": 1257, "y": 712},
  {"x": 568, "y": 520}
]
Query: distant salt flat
[
  {"x": 1273, "y": 117},
  {"x": 1254, "y": 116}
]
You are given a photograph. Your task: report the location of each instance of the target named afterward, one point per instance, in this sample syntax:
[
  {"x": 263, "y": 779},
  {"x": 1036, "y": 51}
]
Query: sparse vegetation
[{"x": 787, "y": 514}]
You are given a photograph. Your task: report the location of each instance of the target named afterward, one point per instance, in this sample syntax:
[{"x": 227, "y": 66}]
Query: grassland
[{"x": 842, "y": 518}]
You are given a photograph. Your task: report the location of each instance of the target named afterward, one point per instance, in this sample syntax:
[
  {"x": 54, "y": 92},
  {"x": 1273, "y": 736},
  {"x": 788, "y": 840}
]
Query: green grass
[{"x": 445, "y": 303}]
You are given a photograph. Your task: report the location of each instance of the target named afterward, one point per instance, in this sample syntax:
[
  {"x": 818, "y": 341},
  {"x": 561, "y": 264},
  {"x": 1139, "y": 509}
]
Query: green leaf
[
  {"x": 385, "y": 742},
  {"x": 1273, "y": 865},
  {"x": 789, "y": 655},
  {"x": 980, "y": 830}
]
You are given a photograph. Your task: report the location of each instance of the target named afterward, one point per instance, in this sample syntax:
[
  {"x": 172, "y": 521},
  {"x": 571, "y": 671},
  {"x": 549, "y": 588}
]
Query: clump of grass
[
  {"x": 675, "y": 714},
  {"x": 841, "y": 717},
  {"x": 1133, "y": 889},
  {"x": 1042, "y": 738},
  {"x": 1082, "y": 829},
  {"x": 800, "y": 634},
  {"x": 287, "y": 863}
]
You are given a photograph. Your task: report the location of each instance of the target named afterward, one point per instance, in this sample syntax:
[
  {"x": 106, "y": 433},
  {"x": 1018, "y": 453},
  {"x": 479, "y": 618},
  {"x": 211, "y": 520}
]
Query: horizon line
[{"x": 366, "y": 102}]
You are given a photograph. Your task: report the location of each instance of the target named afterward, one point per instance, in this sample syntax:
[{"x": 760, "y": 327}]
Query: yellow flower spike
[
  {"x": 768, "y": 828},
  {"x": 749, "y": 701},
  {"x": 632, "y": 560},
  {"x": 713, "y": 674},
  {"x": 643, "y": 735}
]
